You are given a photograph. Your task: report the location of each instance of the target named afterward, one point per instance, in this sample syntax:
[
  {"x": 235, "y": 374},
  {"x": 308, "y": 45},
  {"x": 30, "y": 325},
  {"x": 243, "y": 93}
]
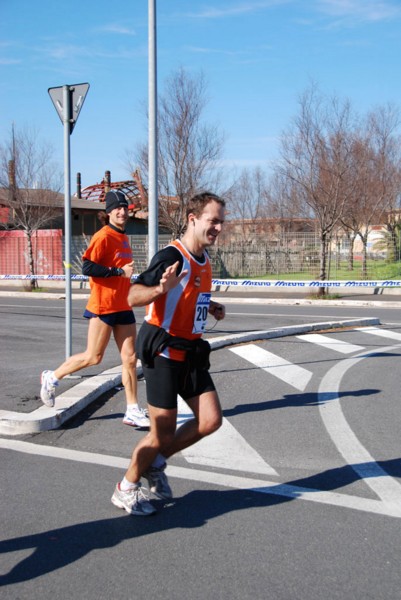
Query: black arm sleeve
[
  {"x": 159, "y": 263},
  {"x": 91, "y": 269}
]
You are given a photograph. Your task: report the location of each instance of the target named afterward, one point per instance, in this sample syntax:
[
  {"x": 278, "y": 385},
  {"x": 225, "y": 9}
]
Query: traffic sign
[
  {"x": 68, "y": 101},
  {"x": 76, "y": 97}
]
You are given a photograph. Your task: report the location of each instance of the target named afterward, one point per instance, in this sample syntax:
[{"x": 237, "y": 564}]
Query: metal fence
[
  {"x": 288, "y": 253},
  {"x": 139, "y": 246},
  {"x": 296, "y": 254}
]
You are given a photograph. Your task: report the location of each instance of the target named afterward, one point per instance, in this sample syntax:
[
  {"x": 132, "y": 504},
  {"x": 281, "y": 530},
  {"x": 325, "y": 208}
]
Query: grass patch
[
  {"x": 324, "y": 297},
  {"x": 28, "y": 288},
  {"x": 377, "y": 270}
]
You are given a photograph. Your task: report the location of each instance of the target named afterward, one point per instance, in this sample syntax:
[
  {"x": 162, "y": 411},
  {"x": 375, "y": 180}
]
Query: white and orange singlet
[{"x": 183, "y": 310}]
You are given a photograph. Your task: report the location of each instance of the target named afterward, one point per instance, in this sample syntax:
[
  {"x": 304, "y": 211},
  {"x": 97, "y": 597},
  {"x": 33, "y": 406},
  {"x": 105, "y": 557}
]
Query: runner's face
[
  {"x": 209, "y": 224},
  {"x": 119, "y": 217}
]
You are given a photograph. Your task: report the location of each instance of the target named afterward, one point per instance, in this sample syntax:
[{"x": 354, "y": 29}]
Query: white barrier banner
[
  {"x": 249, "y": 283},
  {"x": 262, "y": 283}
]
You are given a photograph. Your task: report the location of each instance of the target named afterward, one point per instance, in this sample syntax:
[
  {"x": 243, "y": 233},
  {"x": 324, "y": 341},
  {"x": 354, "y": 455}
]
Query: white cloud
[
  {"x": 237, "y": 8},
  {"x": 360, "y": 10},
  {"x": 208, "y": 50},
  {"x": 71, "y": 52},
  {"x": 116, "y": 28},
  {"x": 9, "y": 61}
]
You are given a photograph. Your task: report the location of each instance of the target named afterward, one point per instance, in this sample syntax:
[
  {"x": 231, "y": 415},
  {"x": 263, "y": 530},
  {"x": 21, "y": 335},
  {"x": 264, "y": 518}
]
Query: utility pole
[{"x": 153, "y": 208}]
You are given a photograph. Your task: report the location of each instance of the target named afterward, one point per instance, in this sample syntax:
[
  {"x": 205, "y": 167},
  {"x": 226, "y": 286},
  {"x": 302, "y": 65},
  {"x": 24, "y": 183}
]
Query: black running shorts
[
  {"x": 170, "y": 378},
  {"x": 123, "y": 317}
]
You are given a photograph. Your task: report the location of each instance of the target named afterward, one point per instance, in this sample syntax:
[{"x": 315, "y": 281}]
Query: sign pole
[
  {"x": 67, "y": 219},
  {"x": 68, "y": 101}
]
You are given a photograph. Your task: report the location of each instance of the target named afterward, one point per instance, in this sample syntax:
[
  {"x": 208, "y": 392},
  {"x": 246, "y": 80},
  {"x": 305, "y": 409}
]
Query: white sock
[
  {"x": 54, "y": 379},
  {"x": 132, "y": 407},
  {"x": 126, "y": 485},
  {"x": 159, "y": 461}
]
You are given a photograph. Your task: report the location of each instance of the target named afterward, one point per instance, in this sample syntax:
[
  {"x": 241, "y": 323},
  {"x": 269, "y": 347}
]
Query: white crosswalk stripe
[
  {"x": 296, "y": 376},
  {"x": 386, "y": 333},
  {"x": 330, "y": 343},
  {"x": 225, "y": 449}
]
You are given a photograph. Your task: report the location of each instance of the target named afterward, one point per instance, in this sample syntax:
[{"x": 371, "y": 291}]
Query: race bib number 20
[{"x": 201, "y": 312}]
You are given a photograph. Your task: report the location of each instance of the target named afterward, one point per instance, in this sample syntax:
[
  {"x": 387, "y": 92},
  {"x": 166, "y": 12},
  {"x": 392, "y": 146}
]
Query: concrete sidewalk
[{"x": 384, "y": 297}]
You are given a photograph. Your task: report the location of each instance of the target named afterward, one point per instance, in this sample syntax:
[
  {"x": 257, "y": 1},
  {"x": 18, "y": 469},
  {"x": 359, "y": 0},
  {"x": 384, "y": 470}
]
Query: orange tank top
[{"x": 183, "y": 310}]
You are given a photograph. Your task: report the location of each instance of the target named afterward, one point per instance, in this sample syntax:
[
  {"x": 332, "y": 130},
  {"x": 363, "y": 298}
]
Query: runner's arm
[
  {"x": 141, "y": 295},
  {"x": 92, "y": 269},
  {"x": 158, "y": 278}
]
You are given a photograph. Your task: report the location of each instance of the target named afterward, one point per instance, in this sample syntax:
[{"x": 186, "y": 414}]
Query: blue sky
[{"x": 258, "y": 57}]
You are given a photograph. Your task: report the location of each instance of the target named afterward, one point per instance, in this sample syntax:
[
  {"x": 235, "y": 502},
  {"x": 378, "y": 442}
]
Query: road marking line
[
  {"x": 355, "y": 454},
  {"x": 294, "y": 375},
  {"x": 391, "y": 335},
  {"x": 330, "y": 343},
  {"x": 291, "y": 492},
  {"x": 225, "y": 449}
]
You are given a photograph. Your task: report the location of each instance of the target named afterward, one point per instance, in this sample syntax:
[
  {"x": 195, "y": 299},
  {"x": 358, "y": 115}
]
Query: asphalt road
[
  {"x": 32, "y": 335},
  {"x": 296, "y": 497}
]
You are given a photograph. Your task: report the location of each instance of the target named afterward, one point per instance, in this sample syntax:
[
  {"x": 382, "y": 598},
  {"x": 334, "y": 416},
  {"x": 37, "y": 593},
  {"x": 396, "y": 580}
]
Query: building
[{"x": 41, "y": 213}]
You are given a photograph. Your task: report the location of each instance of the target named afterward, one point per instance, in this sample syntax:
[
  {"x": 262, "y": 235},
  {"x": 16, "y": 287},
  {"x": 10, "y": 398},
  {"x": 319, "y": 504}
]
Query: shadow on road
[
  {"x": 57, "y": 548},
  {"x": 293, "y": 400}
]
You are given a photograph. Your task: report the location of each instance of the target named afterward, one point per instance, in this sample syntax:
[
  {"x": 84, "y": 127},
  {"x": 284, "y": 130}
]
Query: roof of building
[{"x": 39, "y": 197}]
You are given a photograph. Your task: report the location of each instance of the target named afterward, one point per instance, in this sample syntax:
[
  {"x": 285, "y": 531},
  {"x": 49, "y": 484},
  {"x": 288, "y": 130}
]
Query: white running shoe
[
  {"x": 134, "y": 501},
  {"x": 48, "y": 389},
  {"x": 136, "y": 417},
  {"x": 158, "y": 482}
]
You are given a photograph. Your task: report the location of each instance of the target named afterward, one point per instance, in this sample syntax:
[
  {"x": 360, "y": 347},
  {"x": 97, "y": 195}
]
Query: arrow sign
[{"x": 76, "y": 95}]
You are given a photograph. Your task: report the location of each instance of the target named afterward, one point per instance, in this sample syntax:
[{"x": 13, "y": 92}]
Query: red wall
[{"x": 47, "y": 251}]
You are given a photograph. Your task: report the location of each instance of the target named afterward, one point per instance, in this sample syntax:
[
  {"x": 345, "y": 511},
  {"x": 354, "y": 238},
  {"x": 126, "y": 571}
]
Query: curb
[
  {"x": 306, "y": 302},
  {"x": 80, "y": 396},
  {"x": 70, "y": 403},
  {"x": 232, "y": 300},
  {"x": 43, "y": 295}
]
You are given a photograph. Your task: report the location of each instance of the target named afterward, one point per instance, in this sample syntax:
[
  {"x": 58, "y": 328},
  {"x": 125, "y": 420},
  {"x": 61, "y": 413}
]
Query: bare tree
[
  {"x": 248, "y": 197},
  {"x": 188, "y": 149},
  {"x": 375, "y": 176},
  {"x": 315, "y": 158},
  {"x": 384, "y": 124},
  {"x": 358, "y": 205},
  {"x": 30, "y": 184},
  {"x": 283, "y": 201}
]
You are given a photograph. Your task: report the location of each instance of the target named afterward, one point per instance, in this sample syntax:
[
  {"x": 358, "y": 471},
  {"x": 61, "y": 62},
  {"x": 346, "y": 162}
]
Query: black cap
[{"x": 115, "y": 199}]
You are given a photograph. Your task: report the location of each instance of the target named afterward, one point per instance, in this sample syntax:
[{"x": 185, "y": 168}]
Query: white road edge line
[
  {"x": 387, "y": 488},
  {"x": 291, "y": 492}
]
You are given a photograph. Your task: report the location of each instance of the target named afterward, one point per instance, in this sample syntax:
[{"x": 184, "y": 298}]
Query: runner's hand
[
  {"x": 218, "y": 311},
  {"x": 170, "y": 279},
  {"x": 128, "y": 270}
]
